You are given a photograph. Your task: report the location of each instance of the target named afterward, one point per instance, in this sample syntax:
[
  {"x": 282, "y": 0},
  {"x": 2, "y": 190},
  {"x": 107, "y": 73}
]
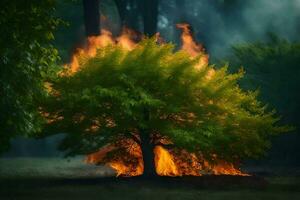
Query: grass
[
  {"x": 35, "y": 167},
  {"x": 143, "y": 191},
  {"x": 45, "y": 179}
]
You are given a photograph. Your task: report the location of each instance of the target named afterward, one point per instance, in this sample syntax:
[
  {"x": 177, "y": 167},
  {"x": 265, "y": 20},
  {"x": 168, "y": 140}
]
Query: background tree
[
  {"x": 131, "y": 11},
  {"x": 68, "y": 37},
  {"x": 273, "y": 66},
  {"x": 26, "y": 55},
  {"x": 151, "y": 92},
  {"x": 150, "y": 14},
  {"x": 91, "y": 17},
  {"x": 182, "y": 18}
]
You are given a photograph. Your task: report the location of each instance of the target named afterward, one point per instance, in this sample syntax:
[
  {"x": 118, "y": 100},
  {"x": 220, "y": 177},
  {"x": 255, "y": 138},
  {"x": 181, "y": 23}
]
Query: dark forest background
[{"x": 262, "y": 36}]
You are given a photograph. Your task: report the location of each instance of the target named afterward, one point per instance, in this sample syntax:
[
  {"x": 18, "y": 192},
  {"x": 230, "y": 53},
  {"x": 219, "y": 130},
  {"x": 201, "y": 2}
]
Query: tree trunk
[
  {"x": 150, "y": 14},
  {"x": 121, "y": 6},
  {"x": 130, "y": 17},
  {"x": 133, "y": 15},
  {"x": 91, "y": 17},
  {"x": 148, "y": 154},
  {"x": 147, "y": 148},
  {"x": 181, "y": 16},
  {"x": 129, "y": 13}
]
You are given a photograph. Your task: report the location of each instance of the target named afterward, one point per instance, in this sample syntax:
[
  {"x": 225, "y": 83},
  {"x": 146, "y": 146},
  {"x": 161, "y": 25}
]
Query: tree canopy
[
  {"x": 197, "y": 108},
  {"x": 26, "y": 54},
  {"x": 273, "y": 66}
]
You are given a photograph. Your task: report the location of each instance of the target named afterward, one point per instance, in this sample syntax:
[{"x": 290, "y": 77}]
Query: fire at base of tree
[
  {"x": 144, "y": 108},
  {"x": 126, "y": 158}
]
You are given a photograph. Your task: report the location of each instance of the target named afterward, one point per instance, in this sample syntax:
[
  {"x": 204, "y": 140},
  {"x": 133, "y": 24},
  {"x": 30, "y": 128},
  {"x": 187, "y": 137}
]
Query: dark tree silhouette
[
  {"x": 131, "y": 10},
  {"x": 121, "y": 5},
  {"x": 150, "y": 14},
  {"x": 91, "y": 17},
  {"x": 181, "y": 17},
  {"x": 27, "y": 31},
  {"x": 147, "y": 147}
]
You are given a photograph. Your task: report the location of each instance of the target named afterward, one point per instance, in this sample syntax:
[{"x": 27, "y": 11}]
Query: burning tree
[{"x": 146, "y": 108}]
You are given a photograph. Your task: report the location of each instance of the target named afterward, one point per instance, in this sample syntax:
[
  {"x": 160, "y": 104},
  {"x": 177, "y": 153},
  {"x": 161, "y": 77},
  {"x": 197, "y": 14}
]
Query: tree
[
  {"x": 180, "y": 5},
  {"x": 91, "y": 17},
  {"x": 131, "y": 10},
  {"x": 26, "y": 55},
  {"x": 150, "y": 14},
  {"x": 152, "y": 92},
  {"x": 273, "y": 66}
]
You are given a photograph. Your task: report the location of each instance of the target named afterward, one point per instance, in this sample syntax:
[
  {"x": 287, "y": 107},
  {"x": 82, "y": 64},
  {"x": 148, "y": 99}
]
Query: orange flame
[
  {"x": 125, "y": 156},
  {"x": 167, "y": 163},
  {"x": 129, "y": 163},
  {"x": 192, "y": 47},
  {"x": 97, "y": 42},
  {"x": 125, "y": 40},
  {"x": 164, "y": 162},
  {"x": 188, "y": 42}
]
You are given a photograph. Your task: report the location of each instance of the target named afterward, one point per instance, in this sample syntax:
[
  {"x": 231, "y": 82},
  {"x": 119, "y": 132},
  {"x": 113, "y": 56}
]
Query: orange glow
[
  {"x": 192, "y": 47},
  {"x": 222, "y": 167},
  {"x": 164, "y": 162},
  {"x": 125, "y": 40},
  {"x": 130, "y": 163},
  {"x": 125, "y": 156},
  {"x": 167, "y": 162},
  {"x": 98, "y": 42},
  {"x": 128, "y": 40},
  {"x": 188, "y": 42}
]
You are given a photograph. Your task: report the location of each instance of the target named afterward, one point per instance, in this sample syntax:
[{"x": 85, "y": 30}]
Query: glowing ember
[{"x": 125, "y": 156}]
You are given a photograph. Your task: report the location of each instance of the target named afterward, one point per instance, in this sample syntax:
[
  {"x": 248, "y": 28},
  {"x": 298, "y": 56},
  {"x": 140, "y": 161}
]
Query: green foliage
[
  {"x": 197, "y": 109},
  {"x": 274, "y": 67},
  {"x": 26, "y": 56}
]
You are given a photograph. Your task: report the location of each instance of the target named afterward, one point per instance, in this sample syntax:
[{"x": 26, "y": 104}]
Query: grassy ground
[
  {"x": 28, "y": 167},
  {"x": 144, "y": 191},
  {"x": 63, "y": 179}
]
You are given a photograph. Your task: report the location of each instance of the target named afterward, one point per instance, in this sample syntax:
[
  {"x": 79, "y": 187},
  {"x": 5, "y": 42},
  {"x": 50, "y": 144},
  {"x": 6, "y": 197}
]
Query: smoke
[
  {"x": 219, "y": 24},
  {"x": 278, "y": 16}
]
